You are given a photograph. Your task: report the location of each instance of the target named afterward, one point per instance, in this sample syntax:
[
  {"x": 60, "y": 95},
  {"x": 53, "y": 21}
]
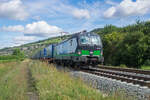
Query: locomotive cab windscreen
[{"x": 90, "y": 39}]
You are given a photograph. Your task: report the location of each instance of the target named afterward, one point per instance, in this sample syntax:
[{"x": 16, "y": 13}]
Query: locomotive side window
[{"x": 70, "y": 42}]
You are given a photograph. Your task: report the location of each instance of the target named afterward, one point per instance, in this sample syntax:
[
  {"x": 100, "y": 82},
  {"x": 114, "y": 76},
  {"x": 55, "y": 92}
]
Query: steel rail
[
  {"x": 122, "y": 74},
  {"x": 139, "y": 71},
  {"x": 140, "y": 80}
]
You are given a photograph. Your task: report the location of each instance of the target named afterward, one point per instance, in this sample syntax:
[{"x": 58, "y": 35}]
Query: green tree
[
  {"x": 17, "y": 52},
  {"x": 132, "y": 49},
  {"x": 111, "y": 42},
  {"x": 128, "y": 45}
]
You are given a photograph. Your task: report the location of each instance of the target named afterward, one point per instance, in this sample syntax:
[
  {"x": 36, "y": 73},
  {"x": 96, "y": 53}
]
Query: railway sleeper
[
  {"x": 123, "y": 74},
  {"x": 134, "y": 81},
  {"x": 145, "y": 72}
]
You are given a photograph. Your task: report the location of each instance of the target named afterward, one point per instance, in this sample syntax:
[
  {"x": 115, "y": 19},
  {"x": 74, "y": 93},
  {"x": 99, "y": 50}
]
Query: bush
[
  {"x": 17, "y": 55},
  {"x": 128, "y": 45}
]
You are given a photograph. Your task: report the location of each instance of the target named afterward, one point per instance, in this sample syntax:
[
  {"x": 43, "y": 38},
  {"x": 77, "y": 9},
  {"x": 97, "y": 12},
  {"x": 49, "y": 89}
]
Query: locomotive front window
[
  {"x": 91, "y": 40},
  {"x": 95, "y": 40},
  {"x": 84, "y": 40}
]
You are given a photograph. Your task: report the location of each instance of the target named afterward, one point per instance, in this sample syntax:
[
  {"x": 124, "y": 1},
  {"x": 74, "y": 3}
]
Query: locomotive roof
[{"x": 77, "y": 35}]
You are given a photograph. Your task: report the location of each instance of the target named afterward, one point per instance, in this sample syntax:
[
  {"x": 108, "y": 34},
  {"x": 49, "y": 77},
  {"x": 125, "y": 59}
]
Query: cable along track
[{"x": 129, "y": 77}]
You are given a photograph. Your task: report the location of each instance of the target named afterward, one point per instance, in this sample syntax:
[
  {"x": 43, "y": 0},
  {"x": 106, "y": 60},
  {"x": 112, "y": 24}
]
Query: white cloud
[
  {"x": 17, "y": 28},
  {"x": 74, "y": 11},
  {"x": 110, "y": 12},
  {"x": 57, "y": 7},
  {"x": 40, "y": 28},
  {"x": 95, "y": 10},
  {"x": 81, "y": 13},
  {"x": 36, "y": 18},
  {"x": 110, "y": 2},
  {"x": 23, "y": 39},
  {"x": 13, "y": 9},
  {"x": 128, "y": 8}
]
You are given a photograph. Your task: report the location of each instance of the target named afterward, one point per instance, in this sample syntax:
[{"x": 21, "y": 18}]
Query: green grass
[
  {"x": 18, "y": 79},
  {"x": 13, "y": 82},
  {"x": 55, "y": 85},
  {"x": 145, "y": 67},
  {"x": 5, "y": 67},
  {"x": 4, "y": 61}
]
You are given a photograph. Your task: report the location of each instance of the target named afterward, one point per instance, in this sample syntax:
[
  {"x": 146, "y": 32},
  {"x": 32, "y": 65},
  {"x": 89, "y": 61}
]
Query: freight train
[{"x": 80, "y": 49}]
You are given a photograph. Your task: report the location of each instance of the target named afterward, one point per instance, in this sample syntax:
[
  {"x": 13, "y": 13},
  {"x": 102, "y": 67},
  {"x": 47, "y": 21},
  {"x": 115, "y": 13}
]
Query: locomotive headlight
[
  {"x": 101, "y": 52},
  {"x": 79, "y": 52},
  {"x": 91, "y": 52}
]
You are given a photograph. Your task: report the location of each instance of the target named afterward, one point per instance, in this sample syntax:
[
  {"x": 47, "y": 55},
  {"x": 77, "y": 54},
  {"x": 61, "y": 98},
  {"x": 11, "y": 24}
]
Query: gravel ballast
[{"x": 109, "y": 86}]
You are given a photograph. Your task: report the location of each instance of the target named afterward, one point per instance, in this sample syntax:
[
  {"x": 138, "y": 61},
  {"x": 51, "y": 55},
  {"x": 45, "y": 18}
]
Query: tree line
[
  {"x": 129, "y": 45},
  {"x": 16, "y": 55}
]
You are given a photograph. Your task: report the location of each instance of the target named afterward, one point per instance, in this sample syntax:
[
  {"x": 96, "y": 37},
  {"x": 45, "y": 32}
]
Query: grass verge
[
  {"x": 35, "y": 80},
  {"x": 13, "y": 82},
  {"x": 8, "y": 61},
  {"x": 145, "y": 67},
  {"x": 54, "y": 85}
]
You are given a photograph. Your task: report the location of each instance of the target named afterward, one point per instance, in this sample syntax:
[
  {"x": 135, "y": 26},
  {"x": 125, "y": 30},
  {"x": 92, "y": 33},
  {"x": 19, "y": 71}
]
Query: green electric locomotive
[{"x": 80, "y": 49}]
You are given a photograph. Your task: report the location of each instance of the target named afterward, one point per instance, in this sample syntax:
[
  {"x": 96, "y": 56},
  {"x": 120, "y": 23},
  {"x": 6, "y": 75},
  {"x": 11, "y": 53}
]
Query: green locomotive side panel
[
  {"x": 97, "y": 52},
  {"x": 85, "y": 52}
]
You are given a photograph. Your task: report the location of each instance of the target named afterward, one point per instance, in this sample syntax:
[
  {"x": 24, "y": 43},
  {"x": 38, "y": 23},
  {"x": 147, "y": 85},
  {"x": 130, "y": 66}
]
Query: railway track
[
  {"x": 138, "y": 71},
  {"x": 140, "y": 77}
]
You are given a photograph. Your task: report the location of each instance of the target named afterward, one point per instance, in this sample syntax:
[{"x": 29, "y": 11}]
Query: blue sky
[{"x": 24, "y": 21}]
